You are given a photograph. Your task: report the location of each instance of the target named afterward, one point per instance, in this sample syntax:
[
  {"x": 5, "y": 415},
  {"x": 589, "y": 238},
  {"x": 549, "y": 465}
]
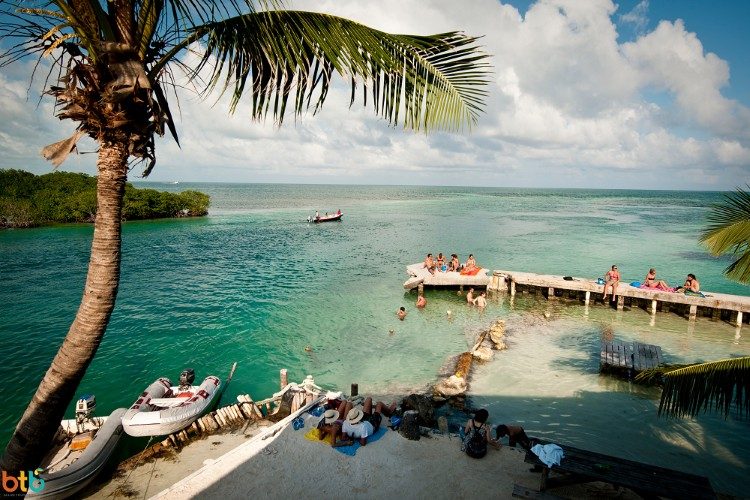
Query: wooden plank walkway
[
  {"x": 649, "y": 481},
  {"x": 738, "y": 306},
  {"x": 629, "y": 356}
]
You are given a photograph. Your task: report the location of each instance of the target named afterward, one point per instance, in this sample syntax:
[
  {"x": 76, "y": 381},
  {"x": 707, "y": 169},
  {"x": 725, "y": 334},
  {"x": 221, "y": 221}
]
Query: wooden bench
[{"x": 649, "y": 481}]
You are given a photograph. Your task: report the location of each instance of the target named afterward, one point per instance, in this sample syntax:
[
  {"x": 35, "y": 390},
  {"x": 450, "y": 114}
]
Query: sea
[{"x": 254, "y": 283}]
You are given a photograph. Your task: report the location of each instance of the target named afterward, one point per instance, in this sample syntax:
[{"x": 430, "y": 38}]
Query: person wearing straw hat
[
  {"x": 362, "y": 423},
  {"x": 331, "y": 424}
]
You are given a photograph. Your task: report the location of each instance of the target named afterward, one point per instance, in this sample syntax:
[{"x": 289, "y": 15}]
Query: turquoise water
[{"x": 253, "y": 283}]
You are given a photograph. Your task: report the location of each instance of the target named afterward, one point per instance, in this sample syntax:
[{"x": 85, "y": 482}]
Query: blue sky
[{"x": 584, "y": 93}]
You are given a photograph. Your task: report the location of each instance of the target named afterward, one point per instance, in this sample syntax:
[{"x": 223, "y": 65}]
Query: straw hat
[
  {"x": 331, "y": 395},
  {"x": 354, "y": 415},
  {"x": 330, "y": 416}
]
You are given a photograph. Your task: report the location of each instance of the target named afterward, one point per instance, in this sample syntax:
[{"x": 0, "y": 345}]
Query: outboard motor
[
  {"x": 187, "y": 377},
  {"x": 85, "y": 407}
]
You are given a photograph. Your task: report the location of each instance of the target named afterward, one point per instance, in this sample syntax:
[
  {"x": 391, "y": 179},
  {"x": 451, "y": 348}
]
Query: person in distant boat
[
  {"x": 363, "y": 423},
  {"x": 440, "y": 261},
  {"x": 470, "y": 297},
  {"x": 691, "y": 285},
  {"x": 339, "y": 212},
  {"x": 454, "y": 264},
  {"x": 481, "y": 301},
  {"x": 429, "y": 264},
  {"x": 317, "y": 215},
  {"x": 401, "y": 313},
  {"x": 651, "y": 282},
  {"x": 516, "y": 435},
  {"x": 421, "y": 302},
  {"x": 611, "y": 280}
]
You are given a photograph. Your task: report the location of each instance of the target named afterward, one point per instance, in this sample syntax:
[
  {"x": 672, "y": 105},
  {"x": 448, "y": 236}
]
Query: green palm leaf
[
  {"x": 421, "y": 81},
  {"x": 728, "y": 231},
  {"x": 708, "y": 387}
]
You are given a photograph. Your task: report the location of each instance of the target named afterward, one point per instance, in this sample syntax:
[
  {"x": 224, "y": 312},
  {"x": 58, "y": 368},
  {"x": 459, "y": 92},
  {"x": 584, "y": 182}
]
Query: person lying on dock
[
  {"x": 651, "y": 282},
  {"x": 401, "y": 313},
  {"x": 691, "y": 285},
  {"x": 481, "y": 301},
  {"x": 331, "y": 424},
  {"x": 470, "y": 297},
  {"x": 516, "y": 435},
  {"x": 334, "y": 399},
  {"x": 429, "y": 264},
  {"x": 362, "y": 423},
  {"x": 611, "y": 280}
]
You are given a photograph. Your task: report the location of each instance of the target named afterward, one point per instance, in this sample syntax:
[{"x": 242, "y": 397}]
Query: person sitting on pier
[
  {"x": 481, "y": 301},
  {"x": 401, "y": 313},
  {"x": 421, "y": 302},
  {"x": 611, "y": 280},
  {"x": 691, "y": 285},
  {"x": 440, "y": 261},
  {"x": 477, "y": 435},
  {"x": 470, "y": 265},
  {"x": 363, "y": 423},
  {"x": 470, "y": 297},
  {"x": 516, "y": 435},
  {"x": 429, "y": 264},
  {"x": 454, "y": 264},
  {"x": 651, "y": 282}
]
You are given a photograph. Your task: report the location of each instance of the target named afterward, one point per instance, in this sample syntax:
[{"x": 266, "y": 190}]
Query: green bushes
[{"x": 27, "y": 200}]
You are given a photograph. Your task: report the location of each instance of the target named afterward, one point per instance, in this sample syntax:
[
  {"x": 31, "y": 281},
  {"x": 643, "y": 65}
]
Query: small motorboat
[
  {"x": 163, "y": 409},
  {"x": 326, "y": 218},
  {"x": 81, "y": 449}
]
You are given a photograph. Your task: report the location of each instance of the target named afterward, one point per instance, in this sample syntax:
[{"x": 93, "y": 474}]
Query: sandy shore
[{"x": 279, "y": 462}]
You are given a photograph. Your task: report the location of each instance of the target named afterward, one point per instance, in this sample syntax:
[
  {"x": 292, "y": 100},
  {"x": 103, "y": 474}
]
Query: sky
[{"x": 651, "y": 94}]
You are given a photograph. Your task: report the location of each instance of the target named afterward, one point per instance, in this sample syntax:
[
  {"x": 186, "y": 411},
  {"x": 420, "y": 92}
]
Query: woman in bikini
[
  {"x": 652, "y": 282},
  {"x": 611, "y": 280},
  {"x": 440, "y": 261}
]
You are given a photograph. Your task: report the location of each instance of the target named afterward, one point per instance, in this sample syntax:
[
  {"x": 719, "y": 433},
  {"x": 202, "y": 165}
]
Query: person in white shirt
[{"x": 362, "y": 423}]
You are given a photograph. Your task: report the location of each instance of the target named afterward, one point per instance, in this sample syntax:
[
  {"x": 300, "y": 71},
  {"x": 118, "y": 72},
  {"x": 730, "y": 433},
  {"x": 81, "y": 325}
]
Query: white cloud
[{"x": 568, "y": 105}]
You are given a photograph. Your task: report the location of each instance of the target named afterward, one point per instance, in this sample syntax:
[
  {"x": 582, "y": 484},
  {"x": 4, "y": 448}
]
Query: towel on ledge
[{"x": 549, "y": 454}]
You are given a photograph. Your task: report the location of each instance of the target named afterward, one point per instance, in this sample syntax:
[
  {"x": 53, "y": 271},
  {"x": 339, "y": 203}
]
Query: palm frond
[
  {"x": 728, "y": 231},
  {"x": 425, "y": 82},
  {"x": 708, "y": 387}
]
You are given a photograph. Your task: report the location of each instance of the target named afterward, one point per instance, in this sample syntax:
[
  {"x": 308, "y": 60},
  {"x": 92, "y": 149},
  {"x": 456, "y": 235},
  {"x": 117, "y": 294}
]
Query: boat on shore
[
  {"x": 164, "y": 409},
  {"x": 82, "y": 447},
  {"x": 326, "y": 218}
]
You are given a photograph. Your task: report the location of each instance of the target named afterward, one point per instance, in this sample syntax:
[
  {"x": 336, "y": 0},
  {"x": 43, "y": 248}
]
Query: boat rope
[{"x": 135, "y": 465}]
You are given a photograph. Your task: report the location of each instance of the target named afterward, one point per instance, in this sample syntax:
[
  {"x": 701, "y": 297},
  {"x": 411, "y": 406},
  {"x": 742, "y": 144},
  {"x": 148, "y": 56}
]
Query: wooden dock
[
  {"x": 633, "y": 357},
  {"x": 718, "y": 306}
]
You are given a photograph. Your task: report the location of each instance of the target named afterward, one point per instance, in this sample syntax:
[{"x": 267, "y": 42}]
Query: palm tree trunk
[{"x": 39, "y": 423}]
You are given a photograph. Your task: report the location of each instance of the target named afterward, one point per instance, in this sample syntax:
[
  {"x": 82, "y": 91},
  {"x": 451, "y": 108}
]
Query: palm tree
[
  {"x": 113, "y": 64},
  {"x": 728, "y": 231}
]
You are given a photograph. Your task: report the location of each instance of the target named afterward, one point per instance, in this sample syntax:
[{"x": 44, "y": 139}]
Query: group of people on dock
[
  {"x": 612, "y": 280},
  {"x": 443, "y": 265}
]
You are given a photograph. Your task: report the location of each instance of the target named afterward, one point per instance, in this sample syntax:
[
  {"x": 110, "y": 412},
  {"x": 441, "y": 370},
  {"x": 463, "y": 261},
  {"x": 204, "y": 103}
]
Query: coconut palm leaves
[
  {"x": 728, "y": 231},
  {"x": 438, "y": 80},
  {"x": 708, "y": 387}
]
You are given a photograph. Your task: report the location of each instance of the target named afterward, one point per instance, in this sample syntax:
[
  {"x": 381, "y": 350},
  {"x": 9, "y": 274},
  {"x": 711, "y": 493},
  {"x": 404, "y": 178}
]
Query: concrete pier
[{"x": 718, "y": 306}]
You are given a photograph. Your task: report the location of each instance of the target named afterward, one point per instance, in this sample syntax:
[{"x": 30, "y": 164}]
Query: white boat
[
  {"x": 163, "y": 409},
  {"x": 82, "y": 448}
]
